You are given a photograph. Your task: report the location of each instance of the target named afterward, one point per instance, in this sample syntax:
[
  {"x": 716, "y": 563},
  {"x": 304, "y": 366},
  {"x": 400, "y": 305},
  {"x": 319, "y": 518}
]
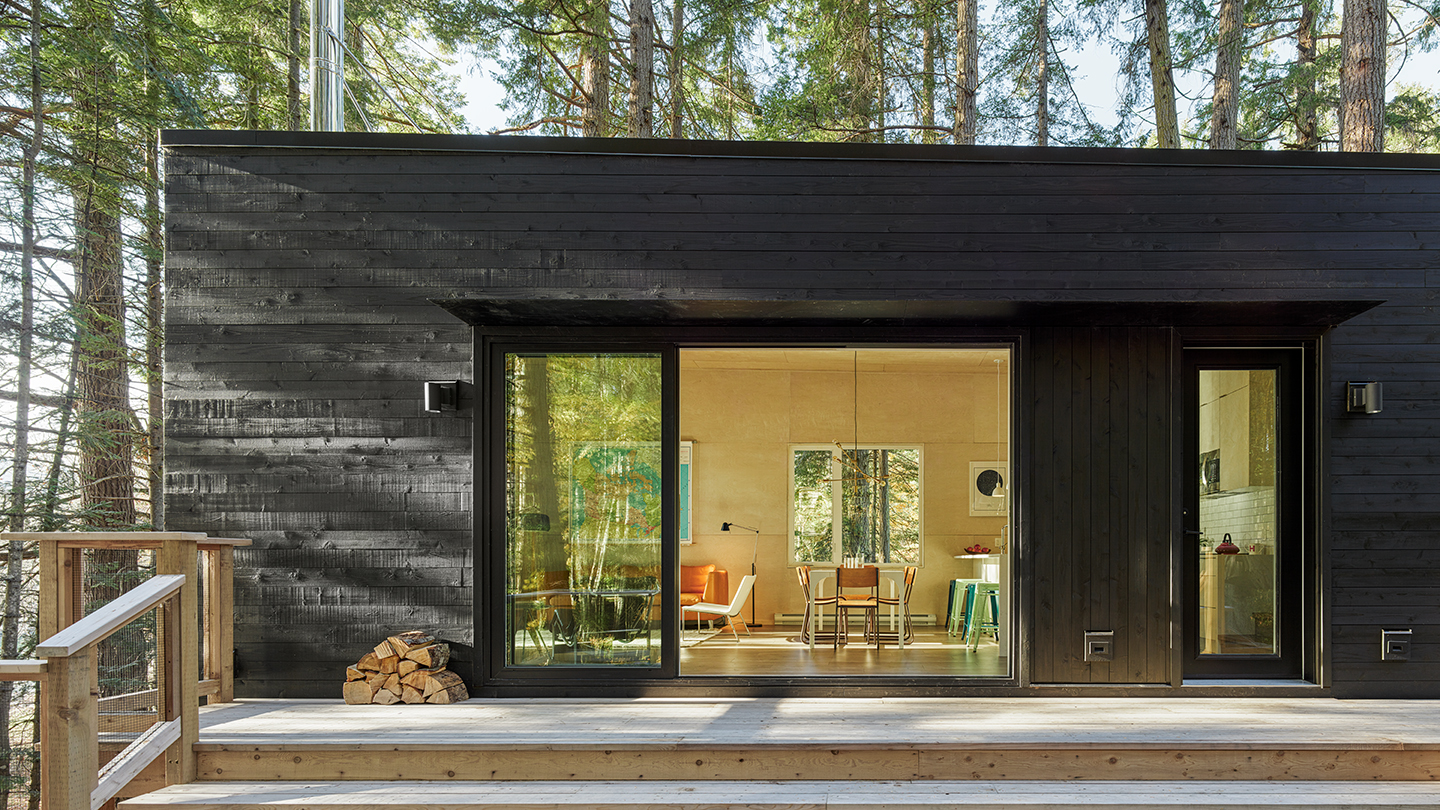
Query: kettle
[{"x": 1227, "y": 547}]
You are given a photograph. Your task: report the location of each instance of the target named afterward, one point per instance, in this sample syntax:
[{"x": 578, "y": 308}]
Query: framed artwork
[
  {"x": 687, "y": 454},
  {"x": 989, "y": 488}
]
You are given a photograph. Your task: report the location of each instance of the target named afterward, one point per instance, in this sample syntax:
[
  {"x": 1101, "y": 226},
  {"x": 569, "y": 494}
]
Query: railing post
[
  {"x": 71, "y": 722},
  {"x": 181, "y": 694},
  {"x": 220, "y": 618}
]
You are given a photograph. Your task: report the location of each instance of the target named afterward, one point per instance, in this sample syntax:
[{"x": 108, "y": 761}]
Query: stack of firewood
[{"x": 408, "y": 668}]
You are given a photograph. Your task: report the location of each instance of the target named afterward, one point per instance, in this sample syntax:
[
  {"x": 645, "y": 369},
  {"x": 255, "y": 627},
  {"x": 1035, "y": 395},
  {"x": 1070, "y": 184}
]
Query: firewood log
[
  {"x": 355, "y": 674},
  {"x": 368, "y": 662},
  {"x": 385, "y": 697},
  {"x": 410, "y": 694},
  {"x": 454, "y": 694},
  {"x": 434, "y": 656},
  {"x": 419, "y": 677},
  {"x": 390, "y": 664},
  {"x": 383, "y": 650},
  {"x": 405, "y": 643},
  {"x": 392, "y": 683},
  {"x": 440, "y": 681},
  {"x": 376, "y": 681},
  {"x": 358, "y": 692},
  {"x": 407, "y": 666}
]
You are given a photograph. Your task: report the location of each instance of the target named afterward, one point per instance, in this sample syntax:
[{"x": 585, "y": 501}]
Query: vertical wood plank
[
  {"x": 1064, "y": 483},
  {"x": 182, "y": 658},
  {"x": 71, "y": 723},
  {"x": 1137, "y": 658},
  {"x": 1164, "y": 448},
  {"x": 1041, "y": 540}
]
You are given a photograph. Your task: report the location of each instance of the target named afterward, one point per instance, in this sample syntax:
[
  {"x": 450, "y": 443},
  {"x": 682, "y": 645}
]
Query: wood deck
[
  {"x": 830, "y": 739},
  {"x": 830, "y": 754}
]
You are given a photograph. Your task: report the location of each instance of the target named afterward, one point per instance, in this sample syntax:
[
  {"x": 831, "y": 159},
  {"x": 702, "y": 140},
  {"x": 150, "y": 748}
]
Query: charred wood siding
[
  {"x": 1101, "y": 484},
  {"x": 300, "y": 283}
]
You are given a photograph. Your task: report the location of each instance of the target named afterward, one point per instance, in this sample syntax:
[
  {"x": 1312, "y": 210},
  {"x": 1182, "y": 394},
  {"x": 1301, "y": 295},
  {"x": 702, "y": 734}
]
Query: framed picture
[
  {"x": 989, "y": 488},
  {"x": 687, "y": 455}
]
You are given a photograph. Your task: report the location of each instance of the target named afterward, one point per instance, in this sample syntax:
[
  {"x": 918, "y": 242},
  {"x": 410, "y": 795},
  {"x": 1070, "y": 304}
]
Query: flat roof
[{"x": 790, "y": 150}]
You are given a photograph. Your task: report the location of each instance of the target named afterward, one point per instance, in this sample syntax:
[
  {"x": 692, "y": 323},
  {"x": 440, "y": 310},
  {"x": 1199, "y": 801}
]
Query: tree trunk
[
  {"x": 20, "y": 462},
  {"x": 595, "y": 71},
  {"x": 1225, "y": 107},
  {"x": 1162, "y": 79},
  {"x": 1362, "y": 77},
  {"x": 967, "y": 69},
  {"x": 298, "y": 117},
  {"x": 677, "y": 71},
  {"x": 642, "y": 69},
  {"x": 154, "y": 301},
  {"x": 1307, "y": 100},
  {"x": 1042, "y": 74}
]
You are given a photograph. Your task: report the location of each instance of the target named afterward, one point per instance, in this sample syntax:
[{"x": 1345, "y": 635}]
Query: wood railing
[{"x": 66, "y": 665}]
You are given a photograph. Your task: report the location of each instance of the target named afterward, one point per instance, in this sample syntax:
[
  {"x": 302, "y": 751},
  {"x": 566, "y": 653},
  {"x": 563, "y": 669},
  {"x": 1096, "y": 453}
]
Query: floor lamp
[{"x": 725, "y": 527}]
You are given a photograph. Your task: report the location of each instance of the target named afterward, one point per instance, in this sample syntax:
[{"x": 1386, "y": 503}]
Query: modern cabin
[{"x": 900, "y": 420}]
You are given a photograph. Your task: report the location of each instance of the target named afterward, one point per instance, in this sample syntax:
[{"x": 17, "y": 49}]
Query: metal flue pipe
[{"x": 327, "y": 66}]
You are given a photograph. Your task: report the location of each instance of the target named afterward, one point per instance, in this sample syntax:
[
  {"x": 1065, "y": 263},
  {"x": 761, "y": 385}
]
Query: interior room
[
  {"x": 827, "y": 458},
  {"x": 840, "y": 511}
]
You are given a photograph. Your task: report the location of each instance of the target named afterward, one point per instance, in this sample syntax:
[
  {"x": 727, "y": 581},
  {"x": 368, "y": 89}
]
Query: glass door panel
[
  {"x": 1239, "y": 526},
  {"x": 1242, "y": 553},
  {"x": 583, "y": 523}
]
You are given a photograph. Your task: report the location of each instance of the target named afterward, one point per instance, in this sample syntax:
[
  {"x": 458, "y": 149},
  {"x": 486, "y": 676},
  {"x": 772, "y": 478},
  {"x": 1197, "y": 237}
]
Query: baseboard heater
[{"x": 915, "y": 618}]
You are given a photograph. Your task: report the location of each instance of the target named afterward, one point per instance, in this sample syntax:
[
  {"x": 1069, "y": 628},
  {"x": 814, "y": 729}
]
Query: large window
[{"x": 858, "y": 504}]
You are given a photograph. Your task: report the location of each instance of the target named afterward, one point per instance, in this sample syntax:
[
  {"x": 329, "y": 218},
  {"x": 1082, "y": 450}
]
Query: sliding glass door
[{"x": 584, "y": 511}]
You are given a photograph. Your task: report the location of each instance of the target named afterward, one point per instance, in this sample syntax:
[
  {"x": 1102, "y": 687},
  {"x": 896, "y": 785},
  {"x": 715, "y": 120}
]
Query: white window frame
[{"x": 837, "y": 498}]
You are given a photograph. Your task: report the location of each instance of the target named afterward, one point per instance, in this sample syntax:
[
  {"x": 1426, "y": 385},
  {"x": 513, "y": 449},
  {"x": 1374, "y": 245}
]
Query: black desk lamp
[{"x": 725, "y": 527}]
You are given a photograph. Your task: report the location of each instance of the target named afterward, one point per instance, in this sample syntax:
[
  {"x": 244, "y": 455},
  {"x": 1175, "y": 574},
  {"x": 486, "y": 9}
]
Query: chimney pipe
[{"x": 327, "y": 66}]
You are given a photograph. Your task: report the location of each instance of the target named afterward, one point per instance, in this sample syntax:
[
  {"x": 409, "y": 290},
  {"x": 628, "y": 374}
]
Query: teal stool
[
  {"x": 982, "y": 612},
  {"x": 955, "y": 616}
]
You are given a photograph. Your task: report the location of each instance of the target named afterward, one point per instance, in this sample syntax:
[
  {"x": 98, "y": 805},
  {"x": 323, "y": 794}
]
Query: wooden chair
[
  {"x": 731, "y": 612},
  {"x": 856, "y": 589},
  {"x": 902, "y": 601},
  {"x": 807, "y": 628}
]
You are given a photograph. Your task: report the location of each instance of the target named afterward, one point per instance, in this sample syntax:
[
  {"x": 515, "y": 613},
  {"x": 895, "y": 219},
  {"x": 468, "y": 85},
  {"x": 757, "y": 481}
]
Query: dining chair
[
  {"x": 731, "y": 612},
  {"x": 906, "y": 635},
  {"x": 812, "y": 601},
  {"x": 856, "y": 589}
]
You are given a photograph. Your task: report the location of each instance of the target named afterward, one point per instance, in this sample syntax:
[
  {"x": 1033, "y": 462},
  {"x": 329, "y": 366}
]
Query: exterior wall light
[
  {"x": 1363, "y": 397},
  {"x": 442, "y": 395}
]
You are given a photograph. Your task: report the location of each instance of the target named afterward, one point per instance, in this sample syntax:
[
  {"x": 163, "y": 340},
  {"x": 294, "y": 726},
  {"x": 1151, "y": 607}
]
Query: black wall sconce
[
  {"x": 1363, "y": 397},
  {"x": 443, "y": 395}
]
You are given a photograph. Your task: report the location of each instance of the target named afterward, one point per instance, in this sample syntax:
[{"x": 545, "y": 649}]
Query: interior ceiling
[{"x": 957, "y": 361}]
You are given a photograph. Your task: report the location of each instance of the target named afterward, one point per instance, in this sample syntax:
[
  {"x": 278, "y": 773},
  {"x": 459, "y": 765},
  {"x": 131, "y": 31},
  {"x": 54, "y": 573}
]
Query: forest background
[{"x": 86, "y": 86}]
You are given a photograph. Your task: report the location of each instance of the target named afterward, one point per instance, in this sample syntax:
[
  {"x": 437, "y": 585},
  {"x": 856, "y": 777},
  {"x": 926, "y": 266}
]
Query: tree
[
  {"x": 1225, "y": 100},
  {"x": 641, "y": 115},
  {"x": 1162, "y": 77},
  {"x": 1362, "y": 77}
]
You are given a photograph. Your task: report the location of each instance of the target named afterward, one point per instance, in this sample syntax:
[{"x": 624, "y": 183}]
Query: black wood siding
[
  {"x": 300, "y": 327},
  {"x": 1101, "y": 488}
]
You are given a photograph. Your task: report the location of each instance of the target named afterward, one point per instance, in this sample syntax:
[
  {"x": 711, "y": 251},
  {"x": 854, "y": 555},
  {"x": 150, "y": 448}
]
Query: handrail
[
  {"x": 110, "y": 618},
  {"x": 22, "y": 669}
]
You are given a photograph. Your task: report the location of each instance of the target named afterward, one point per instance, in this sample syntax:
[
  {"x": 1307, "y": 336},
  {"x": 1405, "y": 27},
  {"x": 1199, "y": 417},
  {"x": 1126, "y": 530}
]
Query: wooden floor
[{"x": 780, "y": 653}]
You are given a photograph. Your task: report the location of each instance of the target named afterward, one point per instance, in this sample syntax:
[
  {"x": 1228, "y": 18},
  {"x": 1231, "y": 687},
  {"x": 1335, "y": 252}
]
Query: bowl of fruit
[{"x": 977, "y": 549}]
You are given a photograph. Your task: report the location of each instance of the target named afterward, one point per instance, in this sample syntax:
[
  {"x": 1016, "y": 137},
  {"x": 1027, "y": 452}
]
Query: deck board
[
  {"x": 879, "y": 723},
  {"x": 808, "y": 795}
]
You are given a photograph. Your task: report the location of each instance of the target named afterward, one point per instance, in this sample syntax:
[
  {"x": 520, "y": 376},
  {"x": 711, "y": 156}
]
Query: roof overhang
[{"x": 528, "y": 312}]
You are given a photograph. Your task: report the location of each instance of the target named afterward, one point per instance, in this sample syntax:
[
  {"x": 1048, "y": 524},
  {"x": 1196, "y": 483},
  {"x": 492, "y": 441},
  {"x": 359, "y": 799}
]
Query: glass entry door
[
  {"x": 584, "y": 511},
  {"x": 1242, "y": 551}
]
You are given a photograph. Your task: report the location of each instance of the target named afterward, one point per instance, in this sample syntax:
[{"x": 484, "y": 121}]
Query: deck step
[{"x": 790, "y": 795}]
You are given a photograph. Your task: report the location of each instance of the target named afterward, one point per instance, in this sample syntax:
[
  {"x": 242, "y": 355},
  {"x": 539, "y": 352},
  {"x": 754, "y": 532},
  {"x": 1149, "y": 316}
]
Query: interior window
[{"x": 858, "y": 504}]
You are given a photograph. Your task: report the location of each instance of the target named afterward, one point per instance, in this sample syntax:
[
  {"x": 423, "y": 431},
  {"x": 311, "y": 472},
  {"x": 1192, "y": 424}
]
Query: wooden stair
[
  {"x": 790, "y": 795},
  {"x": 636, "y": 755}
]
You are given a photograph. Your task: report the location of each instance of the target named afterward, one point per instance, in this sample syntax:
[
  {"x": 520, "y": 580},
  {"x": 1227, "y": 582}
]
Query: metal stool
[
  {"x": 955, "y": 612},
  {"x": 981, "y": 614}
]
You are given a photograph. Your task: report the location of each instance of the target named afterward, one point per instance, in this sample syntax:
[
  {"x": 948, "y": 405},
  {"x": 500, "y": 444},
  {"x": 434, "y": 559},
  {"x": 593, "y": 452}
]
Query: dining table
[{"x": 818, "y": 575}]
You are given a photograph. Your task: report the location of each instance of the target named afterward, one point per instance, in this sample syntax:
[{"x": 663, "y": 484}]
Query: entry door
[
  {"x": 1242, "y": 544},
  {"x": 581, "y": 542}
]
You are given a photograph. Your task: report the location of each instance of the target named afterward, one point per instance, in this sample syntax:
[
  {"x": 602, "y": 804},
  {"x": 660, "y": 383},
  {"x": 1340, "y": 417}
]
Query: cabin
[{"x": 903, "y": 421}]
